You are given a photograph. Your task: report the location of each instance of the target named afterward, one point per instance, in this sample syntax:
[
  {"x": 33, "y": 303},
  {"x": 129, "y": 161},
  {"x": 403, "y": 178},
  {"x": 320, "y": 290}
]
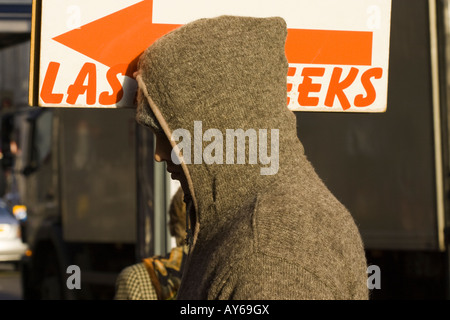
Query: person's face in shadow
[{"x": 163, "y": 153}]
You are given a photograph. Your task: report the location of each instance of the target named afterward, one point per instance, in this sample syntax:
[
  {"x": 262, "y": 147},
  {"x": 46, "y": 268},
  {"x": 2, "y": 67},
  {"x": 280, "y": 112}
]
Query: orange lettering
[
  {"x": 117, "y": 94},
  {"x": 75, "y": 90},
  {"x": 289, "y": 88},
  {"x": 336, "y": 88},
  {"x": 360, "y": 100},
  {"x": 307, "y": 86},
  {"x": 291, "y": 71},
  {"x": 47, "y": 94}
]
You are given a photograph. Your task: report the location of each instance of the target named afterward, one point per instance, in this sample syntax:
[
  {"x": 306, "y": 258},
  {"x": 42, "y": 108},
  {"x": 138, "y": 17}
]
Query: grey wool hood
[{"x": 273, "y": 234}]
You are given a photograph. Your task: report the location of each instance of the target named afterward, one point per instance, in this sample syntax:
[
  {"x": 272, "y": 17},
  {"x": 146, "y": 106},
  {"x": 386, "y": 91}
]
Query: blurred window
[
  {"x": 43, "y": 138},
  {"x": 4, "y": 213}
]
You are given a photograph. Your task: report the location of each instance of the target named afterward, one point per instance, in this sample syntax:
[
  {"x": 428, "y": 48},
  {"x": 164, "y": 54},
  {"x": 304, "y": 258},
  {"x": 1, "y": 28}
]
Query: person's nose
[
  {"x": 160, "y": 150},
  {"x": 159, "y": 157}
]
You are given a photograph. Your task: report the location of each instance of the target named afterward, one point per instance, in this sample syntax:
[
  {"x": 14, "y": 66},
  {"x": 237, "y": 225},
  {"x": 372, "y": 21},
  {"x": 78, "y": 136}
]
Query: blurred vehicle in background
[
  {"x": 11, "y": 246},
  {"x": 84, "y": 186}
]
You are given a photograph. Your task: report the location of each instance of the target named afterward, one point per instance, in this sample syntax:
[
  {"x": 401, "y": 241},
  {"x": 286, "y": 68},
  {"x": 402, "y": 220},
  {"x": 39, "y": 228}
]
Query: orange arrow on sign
[{"x": 122, "y": 36}]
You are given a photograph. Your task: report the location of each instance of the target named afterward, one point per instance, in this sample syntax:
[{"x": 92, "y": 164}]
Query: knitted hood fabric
[{"x": 271, "y": 236}]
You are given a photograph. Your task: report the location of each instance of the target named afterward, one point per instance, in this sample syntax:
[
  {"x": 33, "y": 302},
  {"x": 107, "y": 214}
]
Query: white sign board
[{"x": 338, "y": 50}]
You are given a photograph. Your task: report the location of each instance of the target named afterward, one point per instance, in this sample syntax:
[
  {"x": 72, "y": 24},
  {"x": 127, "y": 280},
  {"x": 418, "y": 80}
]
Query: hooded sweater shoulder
[{"x": 261, "y": 230}]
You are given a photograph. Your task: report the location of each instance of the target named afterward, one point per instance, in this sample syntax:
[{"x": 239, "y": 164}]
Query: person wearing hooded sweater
[{"x": 260, "y": 230}]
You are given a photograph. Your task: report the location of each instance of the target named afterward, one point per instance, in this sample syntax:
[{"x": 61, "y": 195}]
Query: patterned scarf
[{"x": 165, "y": 272}]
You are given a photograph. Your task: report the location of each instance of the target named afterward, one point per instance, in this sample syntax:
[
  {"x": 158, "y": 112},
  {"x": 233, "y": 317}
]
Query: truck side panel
[{"x": 98, "y": 175}]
